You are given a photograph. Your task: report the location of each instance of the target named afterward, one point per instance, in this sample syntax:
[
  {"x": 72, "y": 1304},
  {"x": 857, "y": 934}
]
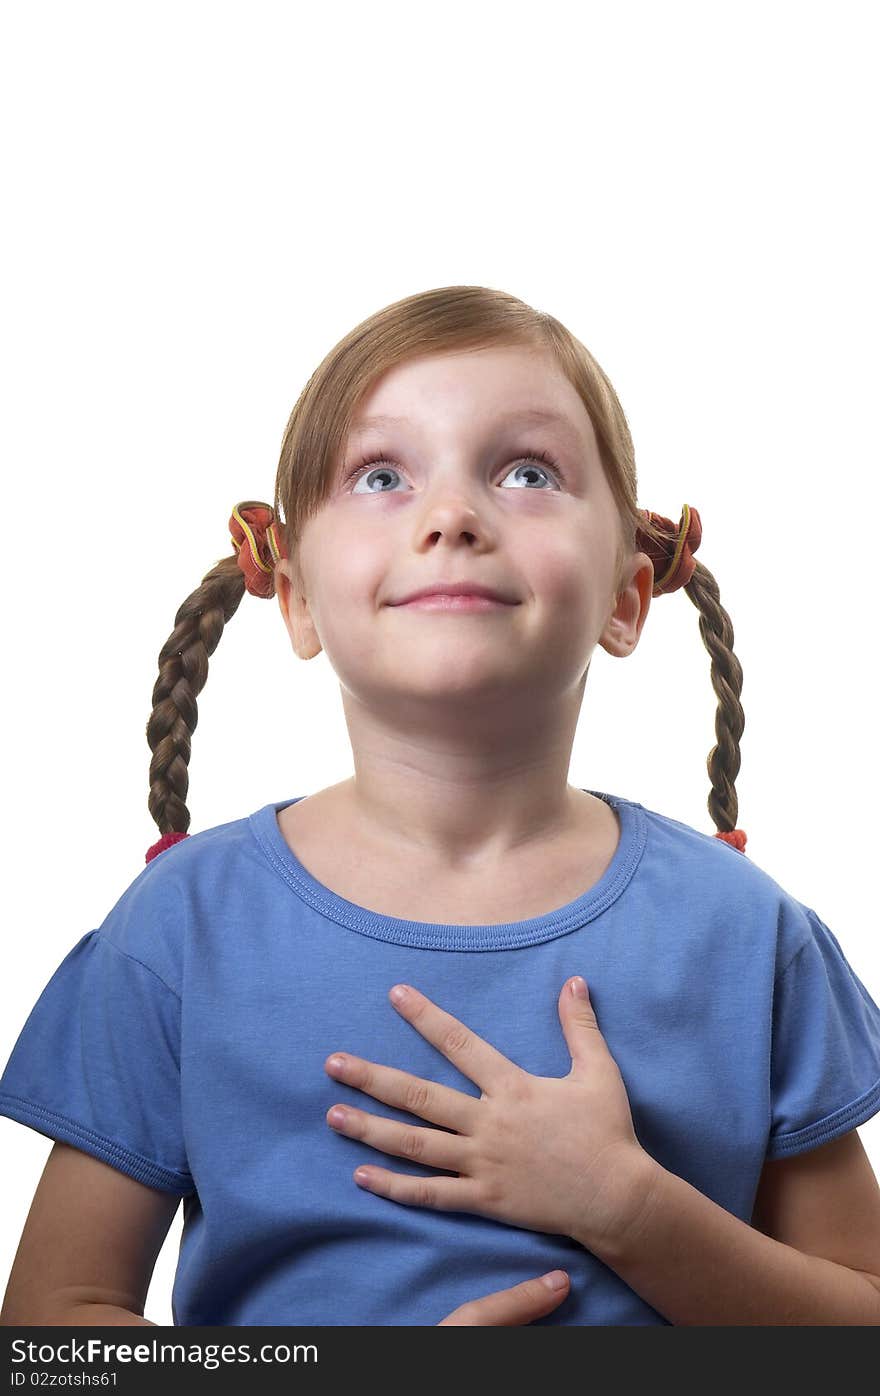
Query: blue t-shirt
[{"x": 183, "y": 1042}]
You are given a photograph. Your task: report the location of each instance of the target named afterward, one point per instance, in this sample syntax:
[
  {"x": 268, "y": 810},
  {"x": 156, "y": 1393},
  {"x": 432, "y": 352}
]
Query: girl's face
[{"x": 457, "y": 492}]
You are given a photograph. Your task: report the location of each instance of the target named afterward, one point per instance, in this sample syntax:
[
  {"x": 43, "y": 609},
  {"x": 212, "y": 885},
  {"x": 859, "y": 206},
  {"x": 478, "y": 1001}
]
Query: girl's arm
[{"x": 91, "y": 1238}]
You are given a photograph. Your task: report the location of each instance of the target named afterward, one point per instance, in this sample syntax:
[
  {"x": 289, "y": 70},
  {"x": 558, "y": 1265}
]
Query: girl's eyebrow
[{"x": 523, "y": 415}]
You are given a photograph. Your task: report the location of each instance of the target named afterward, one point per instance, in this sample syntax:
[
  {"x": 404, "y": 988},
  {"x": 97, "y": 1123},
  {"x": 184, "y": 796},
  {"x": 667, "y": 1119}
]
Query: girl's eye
[{"x": 529, "y": 461}]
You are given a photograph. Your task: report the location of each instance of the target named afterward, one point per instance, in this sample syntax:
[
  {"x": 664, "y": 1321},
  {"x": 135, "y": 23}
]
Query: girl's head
[
  {"x": 542, "y": 508},
  {"x": 464, "y": 482}
]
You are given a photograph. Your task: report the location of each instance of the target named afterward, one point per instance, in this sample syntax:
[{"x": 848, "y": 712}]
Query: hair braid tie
[
  {"x": 673, "y": 559},
  {"x": 257, "y": 541},
  {"x": 258, "y": 545}
]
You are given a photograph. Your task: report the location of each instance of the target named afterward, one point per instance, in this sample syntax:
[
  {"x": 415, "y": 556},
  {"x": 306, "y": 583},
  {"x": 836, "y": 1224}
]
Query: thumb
[{"x": 578, "y": 1020}]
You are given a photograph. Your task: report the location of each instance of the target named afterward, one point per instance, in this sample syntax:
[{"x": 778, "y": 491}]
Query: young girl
[{"x": 680, "y": 1141}]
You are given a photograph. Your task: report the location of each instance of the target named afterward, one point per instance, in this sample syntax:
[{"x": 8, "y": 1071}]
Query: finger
[
  {"x": 440, "y": 1104},
  {"x": 433, "y": 1147},
  {"x": 474, "y": 1057},
  {"x": 438, "y": 1194},
  {"x": 509, "y": 1308}
]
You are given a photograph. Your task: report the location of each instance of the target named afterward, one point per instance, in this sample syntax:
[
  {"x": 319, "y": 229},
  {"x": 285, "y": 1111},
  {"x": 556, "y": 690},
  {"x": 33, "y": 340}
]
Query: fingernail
[
  {"x": 557, "y": 1279},
  {"x": 398, "y": 993},
  {"x": 578, "y": 987}
]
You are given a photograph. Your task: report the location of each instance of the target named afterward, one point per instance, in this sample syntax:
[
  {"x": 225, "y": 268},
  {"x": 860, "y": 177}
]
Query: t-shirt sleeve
[
  {"x": 97, "y": 1064},
  {"x": 825, "y": 1054}
]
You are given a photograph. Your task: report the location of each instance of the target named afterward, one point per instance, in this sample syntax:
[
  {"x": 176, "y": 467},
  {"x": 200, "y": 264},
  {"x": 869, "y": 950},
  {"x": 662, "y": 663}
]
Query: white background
[{"x": 201, "y": 199}]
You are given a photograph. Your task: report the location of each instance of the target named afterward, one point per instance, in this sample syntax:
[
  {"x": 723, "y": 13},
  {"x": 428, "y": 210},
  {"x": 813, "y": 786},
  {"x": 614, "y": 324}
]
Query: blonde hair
[{"x": 446, "y": 319}]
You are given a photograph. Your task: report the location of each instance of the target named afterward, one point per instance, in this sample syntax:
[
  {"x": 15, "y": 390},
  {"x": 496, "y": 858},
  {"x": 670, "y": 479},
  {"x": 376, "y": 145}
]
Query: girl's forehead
[{"x": 491, "y": 380}]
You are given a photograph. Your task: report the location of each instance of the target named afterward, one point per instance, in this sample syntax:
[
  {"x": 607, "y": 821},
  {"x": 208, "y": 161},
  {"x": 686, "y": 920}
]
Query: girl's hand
[
  {"x": 555, "y": 1154},
  {"x": 509, "y": 1308}
]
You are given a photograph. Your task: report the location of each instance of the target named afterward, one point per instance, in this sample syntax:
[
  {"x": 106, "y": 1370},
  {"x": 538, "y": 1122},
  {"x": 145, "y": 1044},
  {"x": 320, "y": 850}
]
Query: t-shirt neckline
[{"x": 444, "y": 936}]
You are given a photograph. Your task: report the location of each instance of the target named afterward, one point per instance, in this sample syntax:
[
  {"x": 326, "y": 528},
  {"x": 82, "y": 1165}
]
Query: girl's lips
[
  {"x": 444, "y": 586},
  {"x": 442, "y": 601}
]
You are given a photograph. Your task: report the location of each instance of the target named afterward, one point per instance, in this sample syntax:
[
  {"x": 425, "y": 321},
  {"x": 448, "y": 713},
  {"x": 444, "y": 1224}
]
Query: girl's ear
[
  {"x": 632, "y": 603},
  {"x": 295, "y": 610}
]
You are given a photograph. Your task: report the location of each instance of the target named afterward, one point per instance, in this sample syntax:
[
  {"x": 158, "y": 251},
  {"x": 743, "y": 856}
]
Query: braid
[
  {"x": 671, "y": 548},
  {"x": 183, "y": 670},
  {"x": 726, "y": 672}
]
